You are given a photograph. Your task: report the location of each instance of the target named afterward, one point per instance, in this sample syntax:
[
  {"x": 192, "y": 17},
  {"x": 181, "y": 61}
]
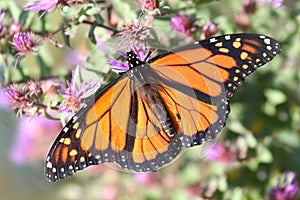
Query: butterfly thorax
[{"x": 146, "y": 84}]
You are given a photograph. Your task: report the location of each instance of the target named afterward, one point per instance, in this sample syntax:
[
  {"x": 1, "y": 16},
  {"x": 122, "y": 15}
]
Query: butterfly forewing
[{"x": 198, "y": 79}]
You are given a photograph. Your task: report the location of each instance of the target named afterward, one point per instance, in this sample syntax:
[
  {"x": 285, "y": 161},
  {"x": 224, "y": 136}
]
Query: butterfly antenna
[{"x": 148, "y": 55}]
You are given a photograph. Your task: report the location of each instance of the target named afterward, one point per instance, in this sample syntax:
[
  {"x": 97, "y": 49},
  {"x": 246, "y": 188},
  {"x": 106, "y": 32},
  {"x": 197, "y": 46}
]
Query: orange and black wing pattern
[
  {"x": 119, "y": 127},
  {"x": 197, "y": 80},
  {"x": 143, "y": 119}
]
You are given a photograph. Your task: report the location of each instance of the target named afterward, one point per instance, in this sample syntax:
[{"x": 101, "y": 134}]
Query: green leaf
[
  {"x": 91, "y": 34},
  {"x": 99, "y": 19},
  {"x": 48, "y": 116},
  {"x": 66, "y": 38},
  {"x": 203, "y": 1},
  {"x": 14, "y": 9},
  {"x": 263, "y": 154},
  {"x": 275, "y": 97},
  {"x": 23, "y": 17},
  {"x": 44, "y": 68}
]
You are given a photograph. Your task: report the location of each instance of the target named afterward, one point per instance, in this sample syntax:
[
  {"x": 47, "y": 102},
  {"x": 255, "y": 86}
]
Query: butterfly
[{"x": 144, "y": 118}]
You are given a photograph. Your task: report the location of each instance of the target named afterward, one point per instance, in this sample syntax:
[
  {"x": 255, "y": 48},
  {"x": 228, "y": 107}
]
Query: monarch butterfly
[{"x": 143, "y": 119}]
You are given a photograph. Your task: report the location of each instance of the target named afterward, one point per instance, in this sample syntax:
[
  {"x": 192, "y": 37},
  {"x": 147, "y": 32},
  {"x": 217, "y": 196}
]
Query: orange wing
[
  {"x": 197, "y": 80},
  {"x": 119, "y": 127}
]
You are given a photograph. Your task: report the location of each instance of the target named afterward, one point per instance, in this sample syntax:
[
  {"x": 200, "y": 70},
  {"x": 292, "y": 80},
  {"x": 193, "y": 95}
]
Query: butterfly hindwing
[{"x": 118, "y": 127}]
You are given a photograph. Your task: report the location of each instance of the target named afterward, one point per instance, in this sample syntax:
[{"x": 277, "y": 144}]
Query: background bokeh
[{"x": 260, "y": 143}]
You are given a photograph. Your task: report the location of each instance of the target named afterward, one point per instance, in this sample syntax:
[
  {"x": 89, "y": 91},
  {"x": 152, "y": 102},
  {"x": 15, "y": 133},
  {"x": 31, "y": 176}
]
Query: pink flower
[
  {"x": 34, "y": 136},
  {"x": 23, "y": 43},
  {"x": 146, "y": 179},
  {"x": 150, "y": 5},
  {"x": 2, "y": 15},
  {"x": 24, "y": 100},
  {"x": 110, "y": 192},
  {"x": 132, "y": 34},
  {"x": 209, "y": 30},
  {"x": 75, "y": 94},
  {"x": 182, "y": 24},
  {"x": 286, "y": 189},
  {"x": 276, "y": 3},
  {"x": 42, "y": 5},
  {"x": 249, "y": 6},
  {"x": 220, "y": 153}
]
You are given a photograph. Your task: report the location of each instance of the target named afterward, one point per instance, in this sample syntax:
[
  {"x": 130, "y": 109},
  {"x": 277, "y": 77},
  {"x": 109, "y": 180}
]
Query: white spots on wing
[
  {"x": 74, "y": 118},
  {"x": 227, "y": 37},
  {"x": 213, "y": 40},
  {"x": 49, "y": 165},
  {"x": 267, "y": 41}
]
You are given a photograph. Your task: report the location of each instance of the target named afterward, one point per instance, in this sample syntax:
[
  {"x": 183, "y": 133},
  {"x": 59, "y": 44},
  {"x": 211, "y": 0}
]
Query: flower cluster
[
  {"x": 25, "y": 100},
  {"x": 132, "y": 34},
  {"x": 24, "y": 43},
  {"x": 75, "y": 94}
]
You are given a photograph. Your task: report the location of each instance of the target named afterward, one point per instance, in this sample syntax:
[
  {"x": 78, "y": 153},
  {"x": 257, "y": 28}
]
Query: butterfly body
[{"x": 177, "y": 99}]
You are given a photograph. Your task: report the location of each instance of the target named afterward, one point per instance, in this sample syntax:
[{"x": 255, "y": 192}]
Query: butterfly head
[{"x": 133, "y": 60}]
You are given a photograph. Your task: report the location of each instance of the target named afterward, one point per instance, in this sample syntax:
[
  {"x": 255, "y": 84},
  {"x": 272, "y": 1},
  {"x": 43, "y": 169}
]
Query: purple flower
[
  {"x": 183, "y": 24},
  {"x": 286, "y": 189},
  {"x": 75, "y": 94},
  {"x": 23, "y": 43},
  {"x": 2, "y": 15},
  {"x": 4, "y": 100},
  {"x": 243, "y": 21},
  {"x": 132, "y": 34},
  {"x": 73, "y": 58},
  {"x": 150, "y": 5},
  {"x": 32, "y": 139},
  {"x": 209, "y": 30},
  {"x": 14, "y": 28},
  {"x": 109, "y": 192},
  {"x": 249, "y": 6},
  {"x": 45, "y": 5},
  {"x": 146, "y": 179},
  {"x": 276, "y": 3},
  {"x": 24, "y": 100},
  {"x": 120, "y": 66},
  {"x": 220, "y": 153}
]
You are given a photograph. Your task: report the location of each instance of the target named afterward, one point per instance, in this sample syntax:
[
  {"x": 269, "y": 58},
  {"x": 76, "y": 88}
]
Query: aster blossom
[
  {"x": 75, "y": 94},
  {"x": 25, "y": 100},
  {"x": 150, "y": 5},
  {"x": 182, "y": 24},
  {"x": 209, "y": 30},
  {"x": 286, "y": 189},
  {"x": 132, "y": 34},
  {"x": 42, "y": 5},
  {"x": 220, "y": 153},
  {"x": 24, "y": 43},
  {"x": 276, "y": 3}
]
